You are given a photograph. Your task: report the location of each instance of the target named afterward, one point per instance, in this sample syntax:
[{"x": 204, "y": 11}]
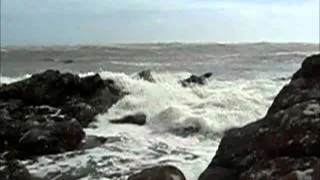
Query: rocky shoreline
[
  {"x": 49, "y": 111},
  {"x": 285, "y": 144}
]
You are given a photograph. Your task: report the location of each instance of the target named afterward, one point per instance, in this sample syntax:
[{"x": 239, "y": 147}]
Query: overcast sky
[{"x": 46, "y": 22}]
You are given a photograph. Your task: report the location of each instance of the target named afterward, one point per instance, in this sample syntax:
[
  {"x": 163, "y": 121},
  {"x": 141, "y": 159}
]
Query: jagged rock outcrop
[
  {"x": 146, "y": 75},
  {"x": 166, "y": 172},
  {"x": 285, "y": 144},
  {"x": 49, "y": 110},
  {"x": 196, "y": 80}
]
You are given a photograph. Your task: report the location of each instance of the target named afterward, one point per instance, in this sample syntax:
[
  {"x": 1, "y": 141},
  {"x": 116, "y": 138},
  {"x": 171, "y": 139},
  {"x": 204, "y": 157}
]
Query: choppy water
[{"x": 244, "y": 83}]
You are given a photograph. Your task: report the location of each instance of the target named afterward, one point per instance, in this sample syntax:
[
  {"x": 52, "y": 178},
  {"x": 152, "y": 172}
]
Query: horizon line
[{"x": 159, "y": 43}]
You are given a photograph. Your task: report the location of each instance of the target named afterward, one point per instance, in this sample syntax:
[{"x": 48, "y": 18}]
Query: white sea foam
[
  {"x": 298, "y": 53},
  {"x": 8, "y": 80},
  {"x": 211, "y": 108},
  {"x": 215, "y": 107}
]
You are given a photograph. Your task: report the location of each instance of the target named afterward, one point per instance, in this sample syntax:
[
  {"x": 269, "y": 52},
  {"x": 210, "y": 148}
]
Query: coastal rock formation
[
  {"x": 49, "y": 109},
  {"x": 167, "y": 172},
  {"x": 13, "y": 170},
  {"x": 193, "y": 79},
  {"x": 50, "y": 139},
  {"x": 146, "y": 75},
  {"x": 285, "y": 144},
  {"x": 138, "y": 119}
]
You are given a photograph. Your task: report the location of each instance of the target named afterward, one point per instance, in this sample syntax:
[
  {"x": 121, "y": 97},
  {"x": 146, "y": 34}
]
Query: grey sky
[{"x": 44, "y": 22}]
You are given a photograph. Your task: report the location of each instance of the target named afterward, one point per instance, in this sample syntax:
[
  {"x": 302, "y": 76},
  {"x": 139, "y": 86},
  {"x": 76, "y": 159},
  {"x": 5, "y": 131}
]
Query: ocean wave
[
  {"x": 211, "y": 108},
  {"x": 184, "y": 125},
  {"x": 9, "y": 80}
]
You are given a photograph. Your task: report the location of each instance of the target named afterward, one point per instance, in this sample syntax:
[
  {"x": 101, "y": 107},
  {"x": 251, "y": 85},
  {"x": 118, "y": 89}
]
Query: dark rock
[
  {"x": 12, "y": 170},
  {"x": 146, "y": 75},
  {"x": 34, "y": 138},
  {"x": 220, "y": 173},
  {"x": 138, "y": 119},
  {"x": 167, "y": 172},
  {"x": 207, "y": 75},
  {"x": 193, "y": 79},
  {"x": 310, "y": 68},
  {"x": 286, "y": 137},
  {"x": 83, "y": 112},
  {"x": 113, "y": 88},
  {"x": 39, "y": 111},
  {"x": 52, "y": 138},
  {"x": 282, "y": 168},
  {"x": 186, "y": 131},
  {"x": 48, "y": 88},
  {"x": 3, "y": 143},
  {"x": 316, "y": 172},
  {"x": 88, "y": 83}
]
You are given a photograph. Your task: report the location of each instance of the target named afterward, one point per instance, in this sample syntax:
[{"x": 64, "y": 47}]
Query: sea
[{"x": 246, "y": 78}]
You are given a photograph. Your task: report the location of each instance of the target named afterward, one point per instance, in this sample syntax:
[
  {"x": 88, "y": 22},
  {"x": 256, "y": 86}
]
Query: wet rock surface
[
  {"x": 283, "y": 168},
  {"x": 196, "y": 80},
  {"x": 49, "y": 110},
  {"x": 166, "y": 172},
  {"x": 146, "y": 75},
  {"x": 13, "y": 170},
  {"x": 137, "y": 119},
  {"x": 284, "y": 144}
]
